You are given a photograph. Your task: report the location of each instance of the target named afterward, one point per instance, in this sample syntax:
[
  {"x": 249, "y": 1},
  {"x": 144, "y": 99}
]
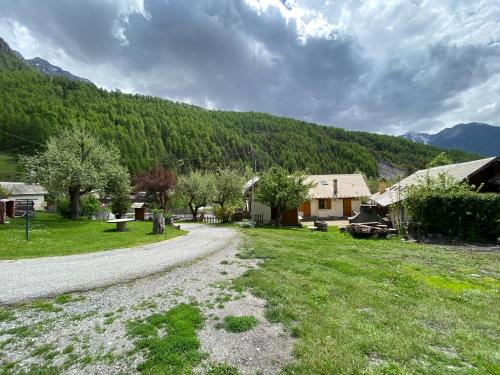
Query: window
[{"x": 324, "y": 204}]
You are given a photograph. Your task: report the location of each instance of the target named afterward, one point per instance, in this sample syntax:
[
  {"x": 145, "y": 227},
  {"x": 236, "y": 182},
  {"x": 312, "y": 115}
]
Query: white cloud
[{"x": 379, "y": 65}]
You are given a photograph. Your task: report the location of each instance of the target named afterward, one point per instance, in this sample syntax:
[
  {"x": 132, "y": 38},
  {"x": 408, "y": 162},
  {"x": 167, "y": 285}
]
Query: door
[
  {"x": 306, "y": 209},
  {"x": 347, "y": 207},
  {"x": 290, "y": 217}
]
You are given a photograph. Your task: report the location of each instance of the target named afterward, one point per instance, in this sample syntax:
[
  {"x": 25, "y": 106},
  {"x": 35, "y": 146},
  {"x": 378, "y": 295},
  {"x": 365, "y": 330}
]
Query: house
[
  {"x": 484, "y": 172},
  {"x": 21, "y": 190},
  {"x": 331, "y": 196}
]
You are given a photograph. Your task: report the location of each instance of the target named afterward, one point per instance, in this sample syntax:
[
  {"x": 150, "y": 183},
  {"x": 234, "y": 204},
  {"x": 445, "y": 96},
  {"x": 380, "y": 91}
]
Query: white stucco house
[
  {"x": 331, "y": 196},
  {"x": 21, "y": 190}
]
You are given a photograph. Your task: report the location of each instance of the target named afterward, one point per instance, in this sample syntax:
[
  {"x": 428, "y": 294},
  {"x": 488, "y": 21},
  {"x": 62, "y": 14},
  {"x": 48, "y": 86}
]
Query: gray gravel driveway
[{"x": 44, "y": 277}]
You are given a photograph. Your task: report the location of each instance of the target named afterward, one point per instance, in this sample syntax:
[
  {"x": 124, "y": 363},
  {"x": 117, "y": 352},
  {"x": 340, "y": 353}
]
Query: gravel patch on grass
[{"x": 86, "y": 333}]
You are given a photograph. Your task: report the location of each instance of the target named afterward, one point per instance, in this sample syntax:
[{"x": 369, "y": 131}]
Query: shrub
[
  {"x": 468, "y": 215},
  {"x": 89, "y": 205},
  {"x": 4, "y": 193},
  {"x": 224, "y": 213},
  {"x": 64, "y": 207}
]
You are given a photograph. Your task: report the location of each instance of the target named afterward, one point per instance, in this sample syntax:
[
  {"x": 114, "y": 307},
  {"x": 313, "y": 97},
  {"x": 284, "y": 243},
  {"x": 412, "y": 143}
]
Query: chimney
[
  {"x": 335, "y": 189},
  {"x": 381, "y": 185}
]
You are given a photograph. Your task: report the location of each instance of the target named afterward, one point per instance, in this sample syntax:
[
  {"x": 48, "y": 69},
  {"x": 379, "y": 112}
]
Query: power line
[{"x": 21, "y": 138}]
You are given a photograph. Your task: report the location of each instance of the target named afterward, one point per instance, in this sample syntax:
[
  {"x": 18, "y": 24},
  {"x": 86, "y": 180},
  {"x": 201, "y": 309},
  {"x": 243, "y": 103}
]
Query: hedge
[{"x": 467, "y": 214}]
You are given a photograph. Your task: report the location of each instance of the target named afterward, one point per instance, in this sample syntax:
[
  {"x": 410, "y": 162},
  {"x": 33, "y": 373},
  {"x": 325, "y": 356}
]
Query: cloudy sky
[{"x": 381, "y": 65}]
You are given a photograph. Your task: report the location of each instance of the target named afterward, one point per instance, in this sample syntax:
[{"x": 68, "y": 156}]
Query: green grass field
[
  {"x": 8, "y": 167},
  {"x": 51, "y": 235},
  {"x": 378, "y": 306}
]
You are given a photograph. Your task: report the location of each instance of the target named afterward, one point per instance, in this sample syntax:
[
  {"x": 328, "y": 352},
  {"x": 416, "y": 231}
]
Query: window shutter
[{"x": 328, "y": 204}]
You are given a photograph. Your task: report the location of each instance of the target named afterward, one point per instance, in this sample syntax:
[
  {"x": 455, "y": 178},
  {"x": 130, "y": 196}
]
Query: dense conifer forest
[{"x": 149, "y": 130}]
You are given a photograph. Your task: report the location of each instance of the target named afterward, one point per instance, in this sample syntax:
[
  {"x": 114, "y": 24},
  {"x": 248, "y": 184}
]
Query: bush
[
  {"x": 224, "y": 213},
  {"x": 4, "y": 193},
  {"x": 89, "y": 205},
  {"x": 468, "y": 215},
  {"x": 64, "y": 207}
]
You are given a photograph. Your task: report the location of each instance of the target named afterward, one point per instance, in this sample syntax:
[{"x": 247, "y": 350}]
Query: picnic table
[{"x": 121, "y": 224}]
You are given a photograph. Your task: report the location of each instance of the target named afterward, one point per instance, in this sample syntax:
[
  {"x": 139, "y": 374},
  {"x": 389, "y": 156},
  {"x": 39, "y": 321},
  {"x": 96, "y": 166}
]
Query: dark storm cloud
[{"x": 228, "y": 54}]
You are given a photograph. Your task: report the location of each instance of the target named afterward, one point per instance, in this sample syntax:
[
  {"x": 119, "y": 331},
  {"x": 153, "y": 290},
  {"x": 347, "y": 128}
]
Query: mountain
[
  {"x": 45, "y": 67},
  {"x": 149, "y": 130},
  {"x": 479, "y": 138},
  {"x": 11, "y": 59},
  {"x": 417, "y": 137}
]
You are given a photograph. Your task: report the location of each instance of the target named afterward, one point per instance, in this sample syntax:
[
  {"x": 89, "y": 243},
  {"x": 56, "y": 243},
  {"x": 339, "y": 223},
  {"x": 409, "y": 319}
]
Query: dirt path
[
  {"x": 87, "y": 335},
  {"x": 25, "y": 279}
]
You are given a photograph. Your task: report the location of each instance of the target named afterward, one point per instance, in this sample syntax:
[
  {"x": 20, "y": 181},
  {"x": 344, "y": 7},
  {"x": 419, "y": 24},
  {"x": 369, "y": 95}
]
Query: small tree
[
  {"x": 197, "y": 190},
  {"x": 228, "y": 187},
  {"x": 4, "y": 193},
  {"x": 120, "y": 203},
  {"x": 159, "y": 183},
  {"x": 76, "y": 163},
  {"x": 282, "y": 191},
  {"x": 440, "y": 159}
]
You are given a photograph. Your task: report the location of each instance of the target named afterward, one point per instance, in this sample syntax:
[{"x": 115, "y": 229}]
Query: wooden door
[
  {"x": 347, "y": 207},
  {"x": 290, "y": 217},
  {"x": 306, "y": 209}
]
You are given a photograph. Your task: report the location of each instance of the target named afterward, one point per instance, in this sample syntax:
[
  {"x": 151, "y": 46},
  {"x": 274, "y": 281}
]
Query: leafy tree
[
  {"x": 228, "y": 186},
  {"x": 159, "y": 183},
  {"x": 440, "y": 159},
  {"x": 197, "y": 190},
  {"x": 282, "y": 191},
  {"x": 4, "y": 193},
  {"x": 76, "y": 163}
]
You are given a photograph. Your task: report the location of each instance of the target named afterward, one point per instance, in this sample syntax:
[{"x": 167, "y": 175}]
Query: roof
[
  {"x": 21, "y": 188},
  {"x": 138, "y": 205},
  {"x": 348, "y": 186},
  {"x": 459, "y": 172}
]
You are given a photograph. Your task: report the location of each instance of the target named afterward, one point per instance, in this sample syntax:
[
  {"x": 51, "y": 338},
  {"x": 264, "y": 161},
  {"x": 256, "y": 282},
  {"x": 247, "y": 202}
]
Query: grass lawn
[
  {"x": 8, "y": 167},
  {"x": 378, "y": 306},
  {"x": 51, "y": 235}
]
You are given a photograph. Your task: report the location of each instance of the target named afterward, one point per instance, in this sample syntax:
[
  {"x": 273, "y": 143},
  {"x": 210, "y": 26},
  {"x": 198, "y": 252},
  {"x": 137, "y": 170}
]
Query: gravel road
[
  {"x": 87, "y": 334},
  {"x": 26, "y": 279}
]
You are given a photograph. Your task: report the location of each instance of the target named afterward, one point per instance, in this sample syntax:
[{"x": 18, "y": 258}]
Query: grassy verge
[
  {"x": 51, "y": 235},
  {"x": 169, "y": 340},
  {"x": 378, "y": 306}
]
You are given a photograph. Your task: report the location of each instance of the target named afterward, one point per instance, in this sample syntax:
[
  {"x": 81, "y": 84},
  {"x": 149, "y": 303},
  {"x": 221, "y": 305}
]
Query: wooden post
[{"x": 158, "y": 222}]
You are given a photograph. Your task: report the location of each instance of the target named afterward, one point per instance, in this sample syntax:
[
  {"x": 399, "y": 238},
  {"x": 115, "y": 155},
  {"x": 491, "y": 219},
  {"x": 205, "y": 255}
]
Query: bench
[
  {"x": 176, "y": 226},
  {"x": 121, "y": 224}
]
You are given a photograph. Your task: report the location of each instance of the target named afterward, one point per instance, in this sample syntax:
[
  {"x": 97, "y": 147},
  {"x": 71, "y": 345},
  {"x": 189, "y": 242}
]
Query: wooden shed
[{"x": 140, "y": 210}]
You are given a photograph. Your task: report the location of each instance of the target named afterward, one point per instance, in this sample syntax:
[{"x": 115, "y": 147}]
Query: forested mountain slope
[{"x": 150, "y": 130}]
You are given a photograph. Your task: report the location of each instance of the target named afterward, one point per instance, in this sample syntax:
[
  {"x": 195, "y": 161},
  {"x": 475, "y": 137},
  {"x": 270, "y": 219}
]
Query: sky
[{"x": 383, "y": 66}]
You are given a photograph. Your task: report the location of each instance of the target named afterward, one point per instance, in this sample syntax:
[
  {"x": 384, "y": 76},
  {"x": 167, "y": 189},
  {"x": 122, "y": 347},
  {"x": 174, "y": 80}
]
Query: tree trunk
[
  {"x": 158, "y": 223},
  {"x": 278, "y": 216},
  {"x": 194, "y": 210},
  {"x": 74, "y": 198}
]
